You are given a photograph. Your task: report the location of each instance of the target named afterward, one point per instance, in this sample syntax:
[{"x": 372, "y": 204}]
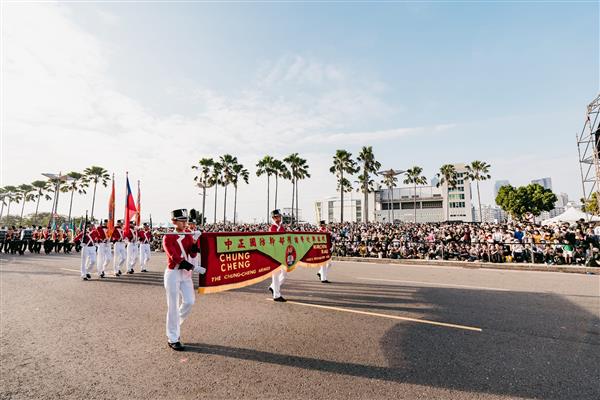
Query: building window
[
  {"x": 409, "y": 206},
  {"x": 431, "y": 204},
  {"x": 358, "y": 211},
  {"x": 330, "y": 211}
]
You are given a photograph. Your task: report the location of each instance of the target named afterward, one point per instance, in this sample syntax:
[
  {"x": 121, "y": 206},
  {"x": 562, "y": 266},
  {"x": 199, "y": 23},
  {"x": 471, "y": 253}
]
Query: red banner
[{"x": 234, "y": 260}]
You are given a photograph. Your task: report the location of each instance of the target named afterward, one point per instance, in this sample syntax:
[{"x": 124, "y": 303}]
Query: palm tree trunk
[
  {"x": 390, "y": 205},
  {"x": 225, "y": 205},
  {"x": 342, "y": 197},
  {"x": 93, "y": 201},
  {"x": 215, "y": 215},
  {"x": 276, "y": 187},
  {"x": 203, "y": 205},
  {"x": 234, "y": 204},
  {"x": 37, "y": 206},
  {"x": 366, "y": 201},
  {"x": 293, "y": 193},
  {"x": 297, "y": 211},
  {"x": 415, "y": 203},
  {"x": 447, "y": 206},
  {"x": 22, "y": 208},
  {"x": 71, "y": 205},
  {"x": 268, "y": 196},
  {"x": 479, "y": 201},
  {"x": 8, "y": 211}
]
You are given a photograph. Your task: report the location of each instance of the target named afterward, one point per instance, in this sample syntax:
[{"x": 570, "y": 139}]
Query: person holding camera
[{"x": 180, "y": 247}]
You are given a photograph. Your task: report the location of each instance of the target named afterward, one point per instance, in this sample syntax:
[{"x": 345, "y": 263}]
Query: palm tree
[
  {"x": 215, "y": 179},
  {"x": 26, "y": 192},
  {"x": 478, "y": 171},
  {"x": 78, "y": 184},
  {"x": 447, "y": 176},
  {"x": 239, "y": 172},
  {"x": 204, "y": 180},
  {"x": 96, "y": 175},
  {"x": 390, "y": 181},
  {"x": 265, "y": 167},
  {"x": 414, "y": 177},
  {"x": 3, "y": 196},
  {"x": 369, "y": 166},
  {"x": 342, "y": 163},
  {"x": 227, "y": 162},
  {"x": 279, "y": 170},
  {"x": 12, "y": 193},
  {"x": 42, "y": 188},
  {"x": 301, "y": 172}
]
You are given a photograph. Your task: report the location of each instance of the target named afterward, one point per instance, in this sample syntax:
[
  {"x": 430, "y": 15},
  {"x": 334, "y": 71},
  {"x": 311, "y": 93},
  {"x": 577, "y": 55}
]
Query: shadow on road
[{"x": 534, "y": 345}]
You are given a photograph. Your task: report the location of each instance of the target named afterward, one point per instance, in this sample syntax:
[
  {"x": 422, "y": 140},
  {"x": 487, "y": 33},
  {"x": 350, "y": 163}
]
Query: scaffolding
[{"x": 588, "y": 146}]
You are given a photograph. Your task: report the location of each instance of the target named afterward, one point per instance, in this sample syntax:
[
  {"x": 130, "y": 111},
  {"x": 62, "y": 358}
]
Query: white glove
[
  {"x": 200, "y": 269},
  {"x": 196, "y": 235}
]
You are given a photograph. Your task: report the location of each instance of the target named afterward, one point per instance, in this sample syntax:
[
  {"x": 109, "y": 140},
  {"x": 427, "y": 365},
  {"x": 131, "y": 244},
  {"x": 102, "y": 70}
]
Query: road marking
[
  {"x": 420, "y": 321},
  {"x": 67, "y": 269},
  {"x": 436, "y": 284}
]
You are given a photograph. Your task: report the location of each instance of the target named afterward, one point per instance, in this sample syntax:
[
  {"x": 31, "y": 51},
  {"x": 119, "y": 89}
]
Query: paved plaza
[{"x": 376, "y": 332}]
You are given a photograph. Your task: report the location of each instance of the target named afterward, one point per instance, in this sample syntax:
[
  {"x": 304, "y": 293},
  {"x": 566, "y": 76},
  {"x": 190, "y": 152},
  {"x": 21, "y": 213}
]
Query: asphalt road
[{"x": 377, "y": 332}]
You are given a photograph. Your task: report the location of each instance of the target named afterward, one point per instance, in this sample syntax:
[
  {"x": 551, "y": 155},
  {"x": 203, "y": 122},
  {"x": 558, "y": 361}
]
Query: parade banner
[{"x": 234, "y": 260}]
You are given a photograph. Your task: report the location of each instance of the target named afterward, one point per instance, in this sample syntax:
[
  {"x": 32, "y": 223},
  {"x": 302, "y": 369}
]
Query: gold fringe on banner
[{"x": 222, "y": 288}]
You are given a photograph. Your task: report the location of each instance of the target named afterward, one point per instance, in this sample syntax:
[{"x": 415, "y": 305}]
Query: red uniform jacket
[
  {"x": 90, "y": 238},
  {"x": 321, "y": 229},
  {"x": 277, "y": 228},
  {"x": 145, "y": 236},
  {"x": 132, "y": 235},
  {"x": 117, "y": 235},
  {"x": 178, "y": 248},
  {"x": 101, "y": 231}
]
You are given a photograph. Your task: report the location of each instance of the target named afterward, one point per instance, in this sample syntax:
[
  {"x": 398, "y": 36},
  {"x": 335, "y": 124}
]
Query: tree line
[{"x": 74, "y": 182}]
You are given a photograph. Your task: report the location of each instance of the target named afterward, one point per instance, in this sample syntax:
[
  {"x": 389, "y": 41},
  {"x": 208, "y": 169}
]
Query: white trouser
[
  {"x": 104, "y": 256},
  {"x": 178, "y": 281},
  {"x": 144, "y": 255},
  {"x": 88, "y": 259},
  {"x": 276, "y": 281},
  {"x": 324, "y": 270},
  {"x": 132, "y": 254},
  {"x": 120, "y": 256}
]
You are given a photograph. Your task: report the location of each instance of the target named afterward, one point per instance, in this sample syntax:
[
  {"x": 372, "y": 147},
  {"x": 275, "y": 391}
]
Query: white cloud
[{"x": 63, "y": 111}]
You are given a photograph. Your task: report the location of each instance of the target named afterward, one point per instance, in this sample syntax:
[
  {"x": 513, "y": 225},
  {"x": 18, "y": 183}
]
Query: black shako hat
[
  {"x": 275, "y": 213},
  {"x": 193, "y": 217},
  {"x": 322, "y": 222},
  {"x": 180, "y": 215}
]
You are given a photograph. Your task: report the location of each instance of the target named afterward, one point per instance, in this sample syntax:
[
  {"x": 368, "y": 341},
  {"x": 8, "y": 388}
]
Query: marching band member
[
  {"x": 132, "y": 247},
  {"x": 322, "y": 274},
  {"x": 88, "y": 251},
  {"x": 104, "y": 254},
  {"x": 145, "y": 237},
  {"x": 120, "y": 255},
  {"x": 278, "y": 277},
  {"x": 178, "y": 276}
]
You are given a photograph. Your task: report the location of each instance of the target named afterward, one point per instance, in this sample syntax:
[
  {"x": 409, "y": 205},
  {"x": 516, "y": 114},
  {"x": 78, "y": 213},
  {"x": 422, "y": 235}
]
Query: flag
[
  {"x": 130, "y": 209},
  {"x": 138, "y": 216},
  {"x": 111, "y": 210}
]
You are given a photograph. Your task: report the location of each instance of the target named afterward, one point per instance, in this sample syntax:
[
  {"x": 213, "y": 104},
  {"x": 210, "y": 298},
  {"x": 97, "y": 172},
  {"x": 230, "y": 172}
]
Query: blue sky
[{"x": 423, "y": 83}]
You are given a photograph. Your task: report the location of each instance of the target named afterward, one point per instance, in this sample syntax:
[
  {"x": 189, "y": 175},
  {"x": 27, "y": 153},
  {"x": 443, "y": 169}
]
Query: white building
[
  {"x": 329, "y": 208},
  {"x": 492, "y": 214},
  {"x": 432, "y": 202},
  {"x": 398, "y": 204}
]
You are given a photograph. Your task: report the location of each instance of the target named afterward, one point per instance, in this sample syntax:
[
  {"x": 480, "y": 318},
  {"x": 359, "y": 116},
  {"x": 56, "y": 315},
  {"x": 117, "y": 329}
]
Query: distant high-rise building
[
  {"x": 434, "y": 181},
  {"x": 498, "y": 185},
  {"x": 545, "y": 182}
]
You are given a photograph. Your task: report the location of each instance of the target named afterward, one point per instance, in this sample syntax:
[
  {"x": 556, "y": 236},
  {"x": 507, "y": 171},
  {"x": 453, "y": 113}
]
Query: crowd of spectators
[{"x": 557, "y": 244}]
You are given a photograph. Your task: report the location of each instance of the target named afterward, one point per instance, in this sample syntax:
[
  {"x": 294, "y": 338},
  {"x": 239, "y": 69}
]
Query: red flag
[
  {"x": 138, "y": 216},
  {"x": 111, "y": 210},
  {"x": 130, "y": 208}
]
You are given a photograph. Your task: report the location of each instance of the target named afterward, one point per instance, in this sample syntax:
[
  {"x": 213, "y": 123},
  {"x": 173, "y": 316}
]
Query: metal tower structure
[{"x": 588, "y": 146}]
